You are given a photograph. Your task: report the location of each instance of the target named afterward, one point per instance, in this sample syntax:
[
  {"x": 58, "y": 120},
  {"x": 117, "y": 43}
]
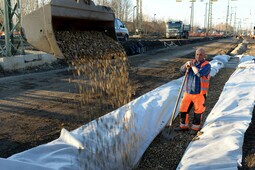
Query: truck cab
[{"x": 176, "y": 29}]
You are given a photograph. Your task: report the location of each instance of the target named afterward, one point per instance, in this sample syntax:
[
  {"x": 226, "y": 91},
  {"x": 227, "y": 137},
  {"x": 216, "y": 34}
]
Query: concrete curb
[{"x": 31, "y": 59}]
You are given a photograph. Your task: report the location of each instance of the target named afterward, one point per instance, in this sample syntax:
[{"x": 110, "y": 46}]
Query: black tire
[
  {"x": 186, "y": 35},
  {"x": 126, "y": 37}
]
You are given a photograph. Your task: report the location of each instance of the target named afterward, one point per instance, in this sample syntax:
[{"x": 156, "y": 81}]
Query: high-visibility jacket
[
  {"x": 204, "y": 81},
  {"x": 198, "y": 84}
]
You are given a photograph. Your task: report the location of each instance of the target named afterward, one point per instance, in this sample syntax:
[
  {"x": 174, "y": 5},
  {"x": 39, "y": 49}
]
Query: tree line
[{"x": 123, "y": 10}]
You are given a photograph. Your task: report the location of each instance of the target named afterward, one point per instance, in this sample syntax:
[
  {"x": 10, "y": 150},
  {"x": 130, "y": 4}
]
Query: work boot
[{"x": 178, "y": 129}]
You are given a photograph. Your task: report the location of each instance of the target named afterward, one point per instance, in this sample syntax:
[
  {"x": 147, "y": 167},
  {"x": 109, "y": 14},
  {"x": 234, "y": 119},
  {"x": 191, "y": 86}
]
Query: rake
[{"x": 168, "y": 132}]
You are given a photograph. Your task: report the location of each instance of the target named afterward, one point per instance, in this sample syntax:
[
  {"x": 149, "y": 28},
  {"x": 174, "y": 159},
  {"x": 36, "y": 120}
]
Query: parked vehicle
[
  {"x": 121, "y": 30},
  {"x": 177, "y": 29}
]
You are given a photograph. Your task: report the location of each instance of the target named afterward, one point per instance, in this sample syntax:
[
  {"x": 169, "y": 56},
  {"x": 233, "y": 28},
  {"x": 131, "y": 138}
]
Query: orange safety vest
[{"x": 204, "y": 81}]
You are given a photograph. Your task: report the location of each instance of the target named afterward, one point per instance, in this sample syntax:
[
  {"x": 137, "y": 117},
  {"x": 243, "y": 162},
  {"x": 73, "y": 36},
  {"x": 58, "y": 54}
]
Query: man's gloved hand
[{"x": 188, "y": 64}]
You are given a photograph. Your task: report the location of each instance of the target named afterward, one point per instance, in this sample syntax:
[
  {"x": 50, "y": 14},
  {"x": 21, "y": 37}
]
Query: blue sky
[{"x": 170, "y": 9}]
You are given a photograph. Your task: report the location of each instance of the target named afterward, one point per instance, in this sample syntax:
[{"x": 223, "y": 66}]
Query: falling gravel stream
[{"x": 100, "y": 71}]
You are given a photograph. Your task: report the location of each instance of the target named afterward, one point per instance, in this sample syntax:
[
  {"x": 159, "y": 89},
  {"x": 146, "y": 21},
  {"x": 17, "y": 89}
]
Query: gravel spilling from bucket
[
  {"x": 99, "y": 66},
  {"x": 101, "y": 74}
]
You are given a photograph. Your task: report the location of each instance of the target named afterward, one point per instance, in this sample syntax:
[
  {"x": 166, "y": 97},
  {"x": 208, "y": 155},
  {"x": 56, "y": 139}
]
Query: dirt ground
[
  {"x": 248, "y": 159},
  {"x": 167, "y": 154},
  {"x": 34, "y": 107}
]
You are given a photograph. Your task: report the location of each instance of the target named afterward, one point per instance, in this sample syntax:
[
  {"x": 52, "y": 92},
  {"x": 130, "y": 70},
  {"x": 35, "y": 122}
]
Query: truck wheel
[
  {"x": 186, "y": 35},
  {"x": 126, "y": 37}
]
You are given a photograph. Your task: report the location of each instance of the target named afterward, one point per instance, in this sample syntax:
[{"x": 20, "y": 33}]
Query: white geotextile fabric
[
  {"x": 243, "y": 58},
  {"x": 115, "y": 141},
  {"x": 222, "y": 58},
  {"x": 216, "y": 65},
  {"x": 220, "y": 145}
]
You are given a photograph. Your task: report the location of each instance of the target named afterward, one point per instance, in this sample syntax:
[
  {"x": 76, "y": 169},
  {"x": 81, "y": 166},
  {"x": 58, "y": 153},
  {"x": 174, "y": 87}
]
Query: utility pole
[
  {"x": 10, "y": 28},
  {"x": 227, "y": 18},
  {"x": 205, "y": 15},
  {"x": 239, "y": 25},
  {"x": 235, "y": 29},
  {"x": 139, "y": 15},
  {"x": 192, "y": 15},
  {"x": 191, "y": 12},
  {"x": 231, "y": 16},
  {"x": 209, "y": 24},
  {"x": 134, "y": 27}
]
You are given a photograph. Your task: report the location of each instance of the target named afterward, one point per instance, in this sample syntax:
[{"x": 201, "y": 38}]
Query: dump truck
[
  {"x": 39, "y": 26},
  {"x": 177, "y": 29}
]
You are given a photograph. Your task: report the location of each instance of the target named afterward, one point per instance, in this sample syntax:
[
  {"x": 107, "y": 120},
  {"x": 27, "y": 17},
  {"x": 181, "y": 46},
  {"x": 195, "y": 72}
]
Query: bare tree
[
  {"x": 122, "y": 9},
  {"x": 102, "y": 2},
  {"x": 128, "y": 10},
  {"x": 115, "y": 5},
  {"x": 1, "y": 4},
  {"x": 28, "y": 6}
]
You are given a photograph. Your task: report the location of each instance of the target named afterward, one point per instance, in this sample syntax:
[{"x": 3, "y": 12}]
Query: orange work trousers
[{"x": 192, "y": 100}]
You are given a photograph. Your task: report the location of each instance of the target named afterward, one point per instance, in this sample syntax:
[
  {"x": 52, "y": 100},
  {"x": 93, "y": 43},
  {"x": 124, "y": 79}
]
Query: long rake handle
[{"x": 178, "y": 98}]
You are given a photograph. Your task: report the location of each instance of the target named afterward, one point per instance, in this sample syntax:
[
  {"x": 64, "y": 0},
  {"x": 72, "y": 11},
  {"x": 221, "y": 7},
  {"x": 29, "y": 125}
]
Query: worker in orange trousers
[{"x": 197, "y": 84}]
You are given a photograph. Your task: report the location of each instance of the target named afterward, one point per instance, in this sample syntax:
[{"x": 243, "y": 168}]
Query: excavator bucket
[{"x": 65, "y": 15}]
